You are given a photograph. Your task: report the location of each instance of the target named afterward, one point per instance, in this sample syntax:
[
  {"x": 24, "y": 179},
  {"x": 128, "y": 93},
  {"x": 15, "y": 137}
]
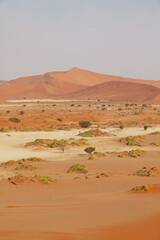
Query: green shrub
[
  {"x": 21, "y": 112},
  {"x": 147, "y": 172},
  {"x": 136, "y": 153},
  {"x": 90, "y": 150},
  {"x": 146, "y": 127},
  {"x": 133, "y": 141},
  {"x": 26, "y": 167},
  {"x": 155, "y": 133},
  {"x": 78, "y": 168},
  {"x": 59, "y": 119},
  {"x": 79, "y": 142},
  {"x": 93, "y": 133},
  {"x": 84, "y": 124},
  {"x": 36, "y": 142},
  {"x": 10, "y": 162},
  {"x": 58, "y": 143},
  {"x": 16, "y": 120},
  {"x": 45, "y": 179},
  {"x": 140, "y": 188},
  {"x": 133, "y": 153}
]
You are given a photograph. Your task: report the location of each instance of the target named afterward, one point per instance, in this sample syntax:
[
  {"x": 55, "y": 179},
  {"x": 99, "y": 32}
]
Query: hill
[
  {"x": 117, "y": 90},
  {"x": 73, "y": 83}
]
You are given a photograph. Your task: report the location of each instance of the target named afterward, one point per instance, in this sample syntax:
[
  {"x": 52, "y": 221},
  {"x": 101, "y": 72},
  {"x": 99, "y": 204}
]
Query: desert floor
[{"x": 97, "y": 205}]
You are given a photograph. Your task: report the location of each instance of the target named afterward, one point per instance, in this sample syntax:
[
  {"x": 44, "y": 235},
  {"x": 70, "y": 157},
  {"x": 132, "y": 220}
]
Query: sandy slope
[
  {"x": 117, "y": 90},
  {"x": 87, "y": 208}
]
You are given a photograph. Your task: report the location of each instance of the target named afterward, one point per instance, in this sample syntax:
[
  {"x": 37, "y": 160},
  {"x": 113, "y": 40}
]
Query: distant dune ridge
[
  {"x": 80, "y": 84},
  {"x": 118, "y": 91}
]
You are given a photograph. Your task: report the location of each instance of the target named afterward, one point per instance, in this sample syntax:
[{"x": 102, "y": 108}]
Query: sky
[{"x": 117, "y": 37}]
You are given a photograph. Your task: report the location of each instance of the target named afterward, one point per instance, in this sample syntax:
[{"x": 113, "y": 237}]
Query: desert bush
[
  {"x": 58, "y": 143},
  {"x": 26, "y": 167},
  {"x": 44, "y": 179},
  {"x": 133, "y": 141},
  {"x": 144, "y": 105},
  {"x": 140, "y": 188},
  {"x": 2, "y": 129},
  {"x": 84, "y": 124},
  {"x": 155, "y": 133},
  {"x": 136, "y": 153},
  {"x": 146, "y": 127},
  {"x": 78, "y": 168},
  {"x": 10, "y": 162},
  {"x": 59, "y": 119},
  {"x": 93, "y": 133},
  {"x": 90, "y": 150},
  {"x": 38, "y": 141},
  {"x": 133, "y": 153},
  {"x": 79, "y": 142},
  {"x": 16, "y": 120},
  {"x": 148, "y": 172},
  {"x": 21, "y": 112}
]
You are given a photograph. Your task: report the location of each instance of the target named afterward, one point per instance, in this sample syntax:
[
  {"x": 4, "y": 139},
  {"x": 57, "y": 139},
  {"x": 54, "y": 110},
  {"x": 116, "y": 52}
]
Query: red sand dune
[
  {"x": 62, "y": 84},
  {"x": 117, "y": 90},
  {"x": 157, "y": 98}
]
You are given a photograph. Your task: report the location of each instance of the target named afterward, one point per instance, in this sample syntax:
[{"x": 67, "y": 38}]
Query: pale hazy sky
[{"x": 118, "y": 37}]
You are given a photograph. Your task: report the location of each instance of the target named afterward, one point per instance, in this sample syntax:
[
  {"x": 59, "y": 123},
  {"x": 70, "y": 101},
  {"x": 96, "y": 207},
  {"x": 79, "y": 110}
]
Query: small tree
[
  {"x": 62, "y": 147},
  {"x": 84, "y": 124},
  {"x": 146, "y": 127},
  {"x": 59, "y": 119},
  {"x": 90, "y": 150}
]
